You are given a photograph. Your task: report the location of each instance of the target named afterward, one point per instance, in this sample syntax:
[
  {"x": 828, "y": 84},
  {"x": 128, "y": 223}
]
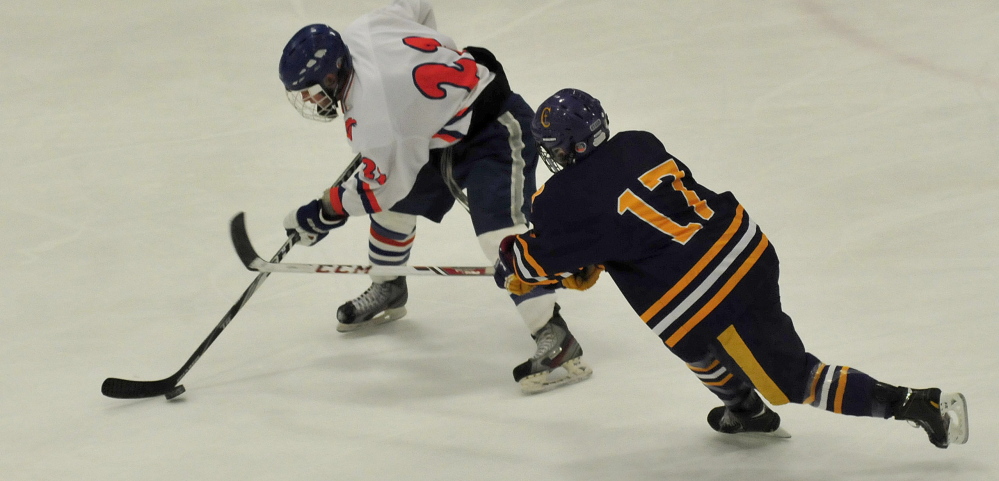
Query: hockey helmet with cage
[
  {"x": 316, "y": 69},
  {"x": 567, "y": 127}
]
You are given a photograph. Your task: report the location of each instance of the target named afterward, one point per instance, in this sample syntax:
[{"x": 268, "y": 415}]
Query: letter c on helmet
[{"x": 544, "y": 117}]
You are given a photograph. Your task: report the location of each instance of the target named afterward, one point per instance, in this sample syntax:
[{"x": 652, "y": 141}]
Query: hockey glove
[
  {"x": 584, "y": 278},
  {"x": 311, "y": 223},
  {"x": 504, "y": 275}
]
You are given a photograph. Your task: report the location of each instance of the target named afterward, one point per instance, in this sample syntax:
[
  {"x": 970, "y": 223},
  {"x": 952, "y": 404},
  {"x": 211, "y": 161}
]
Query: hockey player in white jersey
[{"x": 431, "y": 123}]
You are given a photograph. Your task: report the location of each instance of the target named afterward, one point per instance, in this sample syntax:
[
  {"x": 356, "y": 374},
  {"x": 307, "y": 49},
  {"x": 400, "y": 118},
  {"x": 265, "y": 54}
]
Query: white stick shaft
[{"x": 303, "y": 268}]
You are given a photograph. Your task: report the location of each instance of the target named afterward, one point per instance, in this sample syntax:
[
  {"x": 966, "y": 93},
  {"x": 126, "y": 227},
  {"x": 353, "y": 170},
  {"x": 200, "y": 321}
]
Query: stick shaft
[{"x": 128, "y": 389}]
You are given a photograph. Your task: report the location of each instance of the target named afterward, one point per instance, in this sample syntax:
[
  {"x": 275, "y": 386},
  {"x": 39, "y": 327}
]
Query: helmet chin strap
[{"x": 343, "y": 90}]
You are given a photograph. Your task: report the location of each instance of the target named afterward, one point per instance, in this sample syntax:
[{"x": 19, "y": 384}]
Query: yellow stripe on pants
[{"x": 740, "y": 353}]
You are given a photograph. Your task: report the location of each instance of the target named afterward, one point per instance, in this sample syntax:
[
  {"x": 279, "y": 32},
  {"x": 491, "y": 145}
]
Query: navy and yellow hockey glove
[{"x": 584, "y": 278}]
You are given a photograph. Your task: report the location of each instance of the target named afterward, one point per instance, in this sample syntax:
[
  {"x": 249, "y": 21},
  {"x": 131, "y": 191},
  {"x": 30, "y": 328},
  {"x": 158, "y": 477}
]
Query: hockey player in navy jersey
[
  {"x": 431, "y": 122},
  {"x": 696, "y": 268}
]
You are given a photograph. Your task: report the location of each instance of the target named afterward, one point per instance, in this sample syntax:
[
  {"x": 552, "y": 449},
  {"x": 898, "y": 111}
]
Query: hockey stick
[
  {"x": 126, "y": 389},
  {"x": 253, "y": 262},
  {"x": 169, "y": 387}
]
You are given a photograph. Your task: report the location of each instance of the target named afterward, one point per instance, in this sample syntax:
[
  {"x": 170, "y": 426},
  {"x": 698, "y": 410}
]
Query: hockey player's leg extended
[
  {"x": 557, "y": 360},
  {"x": 390, "y": 240}
]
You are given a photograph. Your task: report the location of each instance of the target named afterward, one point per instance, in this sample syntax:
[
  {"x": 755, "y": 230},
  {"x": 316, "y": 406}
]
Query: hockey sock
[
  {"x": 735, "y": 393},
  {"x": 842, "y": 390},
  {"x": 389, "y": 246},
  {"x": 536, "y": 308}
]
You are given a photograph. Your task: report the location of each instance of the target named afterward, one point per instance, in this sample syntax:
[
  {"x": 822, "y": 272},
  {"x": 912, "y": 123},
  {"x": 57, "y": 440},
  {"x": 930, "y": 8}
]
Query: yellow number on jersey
[{"x": 630, "y": 202}]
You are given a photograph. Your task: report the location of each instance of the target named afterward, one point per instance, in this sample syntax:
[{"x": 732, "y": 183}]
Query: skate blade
[
  {"x": 954, "y": 408},
  {"x": 570, "y": 372},
  {"x": 388, "y": 315},
  {"x": 779, "y": 433}
]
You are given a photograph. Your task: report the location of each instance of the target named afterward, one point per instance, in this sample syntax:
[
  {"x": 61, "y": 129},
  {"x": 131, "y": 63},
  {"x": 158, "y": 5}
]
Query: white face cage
[{"x": 313, "y": 103}]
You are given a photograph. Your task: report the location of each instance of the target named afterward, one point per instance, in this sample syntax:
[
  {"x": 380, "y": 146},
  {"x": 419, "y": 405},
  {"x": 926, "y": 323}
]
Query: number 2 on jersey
[
  {"x": 430, "y": 78},
  {"x": 630, "y": 202}
]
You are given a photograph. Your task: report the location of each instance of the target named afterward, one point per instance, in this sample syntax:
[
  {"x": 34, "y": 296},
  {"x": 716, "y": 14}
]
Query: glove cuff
[{"x": 329, "y": 219}]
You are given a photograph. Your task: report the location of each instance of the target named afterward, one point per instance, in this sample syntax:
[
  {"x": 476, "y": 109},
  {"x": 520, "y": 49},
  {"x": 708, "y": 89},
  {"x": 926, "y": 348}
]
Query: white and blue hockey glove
[{"x": 311, "y": 223}]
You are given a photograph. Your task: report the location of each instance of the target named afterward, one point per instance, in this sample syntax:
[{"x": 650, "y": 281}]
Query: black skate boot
[
  {"x": 382, "y": 302},
  {"x": 556, "y": 362},
  {"x": 944, "y": 417},
  {"x": 755, "y": 417}
]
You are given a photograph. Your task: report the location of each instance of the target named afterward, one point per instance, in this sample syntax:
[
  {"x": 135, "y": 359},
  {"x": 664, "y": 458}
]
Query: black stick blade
[
  {"x": 125, "y": 389},
  {"x": 241, "y": 241},
  {"x": 177, "y": 391}
]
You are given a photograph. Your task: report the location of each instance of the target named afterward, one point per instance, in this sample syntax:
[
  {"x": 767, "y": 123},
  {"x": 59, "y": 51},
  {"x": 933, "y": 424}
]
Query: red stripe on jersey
[
  {"x": 445, "y": 137},
  {"x": 336, "y": 200}
]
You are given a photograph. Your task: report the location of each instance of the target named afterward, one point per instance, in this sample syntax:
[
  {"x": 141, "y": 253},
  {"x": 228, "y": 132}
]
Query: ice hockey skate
[
  {"x": 944, "y": 417},
  {"x": 382, "y": 302},
  {"x": 557, "y": 361},
  {"x": 759, "y": 419}
]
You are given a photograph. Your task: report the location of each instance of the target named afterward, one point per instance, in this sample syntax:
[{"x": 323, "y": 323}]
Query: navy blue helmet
[
  {"x": 316, "y": 69},
  {"x": 567, "y": 127}
]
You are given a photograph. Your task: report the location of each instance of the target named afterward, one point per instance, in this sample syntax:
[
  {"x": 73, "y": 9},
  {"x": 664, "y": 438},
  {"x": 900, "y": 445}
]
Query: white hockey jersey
[{"x": 411, "y": 91}]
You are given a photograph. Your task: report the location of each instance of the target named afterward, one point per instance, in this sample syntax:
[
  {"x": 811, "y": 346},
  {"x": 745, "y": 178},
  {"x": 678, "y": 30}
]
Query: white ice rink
[{"x": 862, "y": 135}]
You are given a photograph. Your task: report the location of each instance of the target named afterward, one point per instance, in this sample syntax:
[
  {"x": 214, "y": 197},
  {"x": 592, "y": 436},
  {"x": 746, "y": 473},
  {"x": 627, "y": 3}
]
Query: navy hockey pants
[
  {"x": 496, "y": 167},
  {"x": 752, "y": 343}
]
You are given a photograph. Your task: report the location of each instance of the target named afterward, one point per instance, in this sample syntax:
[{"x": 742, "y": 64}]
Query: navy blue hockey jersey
[{"x": 674, "y": 248}]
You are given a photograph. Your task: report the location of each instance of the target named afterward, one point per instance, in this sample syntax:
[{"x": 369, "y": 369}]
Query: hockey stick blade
[
  {"x": 126, "y": 389},
  {"x": 248, "y": 255},
  {"x": 169, "y": 387},
  {"x": 241, "y": 241}
]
